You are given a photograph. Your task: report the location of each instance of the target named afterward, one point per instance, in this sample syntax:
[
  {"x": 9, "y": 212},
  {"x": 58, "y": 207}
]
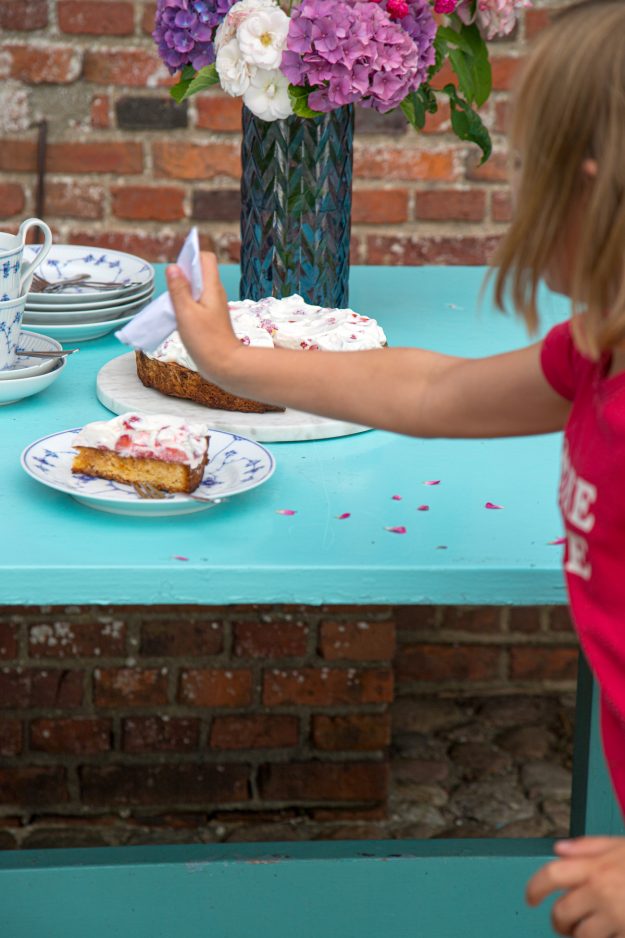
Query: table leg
[{"x": 594, "y": 809}]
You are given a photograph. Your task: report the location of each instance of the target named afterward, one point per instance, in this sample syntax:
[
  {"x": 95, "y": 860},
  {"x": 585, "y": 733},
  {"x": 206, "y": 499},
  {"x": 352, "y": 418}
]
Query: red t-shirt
[{"x": 592, "y": 502}]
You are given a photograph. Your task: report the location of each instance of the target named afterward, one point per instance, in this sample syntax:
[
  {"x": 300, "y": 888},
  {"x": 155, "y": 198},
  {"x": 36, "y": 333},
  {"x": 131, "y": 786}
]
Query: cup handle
[{"x": 28, "y": 269}]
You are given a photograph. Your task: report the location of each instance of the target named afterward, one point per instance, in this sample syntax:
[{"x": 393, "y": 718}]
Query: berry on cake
[
  {"x": 165, "y": 452},
  {"x": 270, "y": 323}
]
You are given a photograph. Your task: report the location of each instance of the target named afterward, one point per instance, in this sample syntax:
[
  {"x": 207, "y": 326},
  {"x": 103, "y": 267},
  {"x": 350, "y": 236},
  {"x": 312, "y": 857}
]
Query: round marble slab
[{"x": 120, "y": 390}]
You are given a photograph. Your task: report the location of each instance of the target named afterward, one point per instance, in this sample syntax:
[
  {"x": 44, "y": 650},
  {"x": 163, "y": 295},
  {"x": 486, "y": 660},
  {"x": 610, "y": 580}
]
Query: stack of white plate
[
  {"x": 88, "y": 292},
  {"x": 30, "y": 374}
]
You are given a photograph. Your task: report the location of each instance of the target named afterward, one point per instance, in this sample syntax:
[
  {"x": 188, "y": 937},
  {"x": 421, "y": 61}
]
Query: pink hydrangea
[
  {"x": 355, "y": 52},
  {"x": 445, "y": 6},
  {"x": 494, "y": 17}
]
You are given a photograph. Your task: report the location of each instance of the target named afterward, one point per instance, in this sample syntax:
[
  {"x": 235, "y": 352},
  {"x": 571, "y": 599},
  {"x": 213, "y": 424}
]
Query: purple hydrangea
[
  {"x": 353, "y": 51},
  {"x": 184, "y": 31}
]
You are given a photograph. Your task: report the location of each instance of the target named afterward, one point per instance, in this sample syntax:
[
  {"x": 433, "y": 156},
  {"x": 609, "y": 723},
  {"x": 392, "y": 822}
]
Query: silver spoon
[{"x": 54, "y": 354}]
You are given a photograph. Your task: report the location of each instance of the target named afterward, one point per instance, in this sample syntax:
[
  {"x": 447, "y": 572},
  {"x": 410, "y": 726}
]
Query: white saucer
[
  {"x": 69, "y": 316},
  {"x": 16, "y": 389},
  {"x": 28, "y": 367},
  {"x": 78, "y": 332},
  {"x": 36, "y": 305},
  {"x": 103, "y": 264},
  {"x": 236, "y": 465}
]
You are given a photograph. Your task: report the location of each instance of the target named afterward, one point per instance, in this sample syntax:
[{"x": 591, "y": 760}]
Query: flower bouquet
[{"x": 299, "y": 68}]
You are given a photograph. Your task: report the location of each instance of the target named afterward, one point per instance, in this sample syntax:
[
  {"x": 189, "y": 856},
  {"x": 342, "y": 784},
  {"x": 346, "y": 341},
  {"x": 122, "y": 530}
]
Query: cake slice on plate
[{"x": 165, "y": 452}]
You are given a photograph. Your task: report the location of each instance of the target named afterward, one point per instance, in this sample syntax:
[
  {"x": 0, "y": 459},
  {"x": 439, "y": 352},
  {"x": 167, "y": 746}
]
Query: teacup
[
  {"x": 15, "y": 275},
  {"x": 11, "y": 312}
]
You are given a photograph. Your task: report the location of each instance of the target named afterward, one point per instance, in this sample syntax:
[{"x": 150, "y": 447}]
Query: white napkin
[{"x": 153, "y": 324}]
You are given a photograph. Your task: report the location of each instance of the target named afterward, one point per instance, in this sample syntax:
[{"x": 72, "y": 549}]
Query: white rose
[
  {"x": 234, "y": 72},
  {"x": 236, "y": 15},
  {"x": 262, "y": 37},
  {"x": 268, "y": 95}
]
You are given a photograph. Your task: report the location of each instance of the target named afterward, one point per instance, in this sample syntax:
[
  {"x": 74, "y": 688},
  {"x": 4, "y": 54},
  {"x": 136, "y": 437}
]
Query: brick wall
[
  {"x": 128, "y": 168},
  {"x": 125, "y": 725}
]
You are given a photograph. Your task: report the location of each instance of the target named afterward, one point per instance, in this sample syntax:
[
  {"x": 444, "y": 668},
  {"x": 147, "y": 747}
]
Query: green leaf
[
  {"x": 480, "y": 63},
  {"x": 467, "y": 123},
  {"x": 461, "y": 64},
  {"x": 205, "y": 78},
  {"x": 187, "y": 73},
  {"x": 468, "y": 56},
  {"x": 179, "y": 91},
  {"x": 413, "y": 108},
  {"x": 299, "y": 101}
]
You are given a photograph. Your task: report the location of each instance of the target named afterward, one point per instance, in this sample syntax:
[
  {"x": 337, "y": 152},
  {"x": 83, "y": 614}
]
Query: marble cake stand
[{"x": 120, "y": 390}]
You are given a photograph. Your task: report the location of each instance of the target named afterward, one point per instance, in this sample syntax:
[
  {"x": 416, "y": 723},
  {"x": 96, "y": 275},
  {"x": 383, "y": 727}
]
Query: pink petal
[
  {"x": 180, "y": 557},
  {"x": 285, "y": 511},
  {"x": 492, "y": 505},
  {"x": 346, "y": 514},
  {"x": 396, "y": 498},
  {"x": 400, "y": 529},
  {"x": 433, "y": 482},
  {"x": 557, "y": 542},
  {"x": 423, "y": 508}
]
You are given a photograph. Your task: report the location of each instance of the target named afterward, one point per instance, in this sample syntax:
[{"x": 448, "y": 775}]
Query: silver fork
[{"x": 147, "y": 490}]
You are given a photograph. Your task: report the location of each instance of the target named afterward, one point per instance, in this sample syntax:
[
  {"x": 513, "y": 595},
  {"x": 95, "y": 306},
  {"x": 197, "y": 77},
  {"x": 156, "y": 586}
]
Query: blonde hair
[{"x": 570, "y": 107}]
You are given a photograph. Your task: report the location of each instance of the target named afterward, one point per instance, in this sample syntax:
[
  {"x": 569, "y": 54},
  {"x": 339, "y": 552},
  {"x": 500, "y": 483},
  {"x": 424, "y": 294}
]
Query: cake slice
[{"x": 165, "y": 452}]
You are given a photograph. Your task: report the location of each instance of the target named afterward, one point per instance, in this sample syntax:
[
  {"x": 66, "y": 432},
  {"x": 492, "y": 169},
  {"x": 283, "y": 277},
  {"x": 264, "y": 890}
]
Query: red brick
[
  {"x": 326, "y": 687},
  {"x": 43, "y": 64},
  {"x": 161, "y": 248},
  {"x": 158, "y": 734},
  {"x": 415, "y": 618},
  {"x": 77, "y": 736},
  {"x": 101, "y": 111},
  {"x": 135, "y": 67},
  {"x": 148, "y": 15},
  {"x": 501, "y": 206},
  {"x": 24, "y": 16},
  {"x": 496, "y": 169},
  {"x": 169, "y": 785},
  {"x": 378, "y": 813},
  {"x": 11, "y": 203},
  {"x": 129, "y": 687},
  {"x": 95, "y": 18},
  {"x": 560, "y": 619},
  {"x": 32, "y": 786},
  {"x": 352, "y": 731},
  {"x": 357, "y": 641},
  {"x": 182, "y": 160},
  {"x": 524, "y": 619},
  {"x": 375, "y": 162},
  {"x": 451, "y": 205},
  {"x": 448, "y": 663},
  {"x": 270, "y": 639},
  {"x": 543, "y": 664},
  {"x": 8, "y": 639},
  {"x": 440, "y": 122},
  {"x": 101, "y": 157},
  {"x": 216, "y": 204},
  {"x": 473, "y": 619},
  {"x": 324, "y": 781},
  {"x": 506, "y": 72},
  {"x": 443, "y": 249},
  {"x": 148, "y": 203},
  {"x": 219, "y": 112},
  {"x": 254, "y": 731},
  {"x": 19, "y": 156},
  {"x": 33, "y": 687},
  {"x": 181, "y": 637},
  {"x": 379, "y": 206},
  {"x": 210, "y": 687},
  {"x": 72, "y": 199},
  {"x": 502, "y": 117},
  {"x": 76, "y": 639},
  {"x": 536, "y": 20},
  {"x": 10, "y": 737}
]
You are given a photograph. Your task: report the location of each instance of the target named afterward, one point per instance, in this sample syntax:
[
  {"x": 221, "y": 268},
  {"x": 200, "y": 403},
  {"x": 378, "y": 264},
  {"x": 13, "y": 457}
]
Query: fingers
[
  {"x": 561, "y": 874},
  {"x": 586, "y": 846},
  {"x": 210, "y": 277},
  {"x": 569, "y": 911},
  {"x": 595, "y": 926},
  {"x": 178, "y": 287}
]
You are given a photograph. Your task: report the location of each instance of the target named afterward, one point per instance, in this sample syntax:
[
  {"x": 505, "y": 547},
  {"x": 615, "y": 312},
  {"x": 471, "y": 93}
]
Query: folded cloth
[{"x": 153, "y": 324}]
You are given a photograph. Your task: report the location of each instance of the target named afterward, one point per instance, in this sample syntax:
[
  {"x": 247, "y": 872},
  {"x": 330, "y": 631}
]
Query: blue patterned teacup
[
  {"x": 15, "y": 275},
  {"x": 11, "y": 312}
]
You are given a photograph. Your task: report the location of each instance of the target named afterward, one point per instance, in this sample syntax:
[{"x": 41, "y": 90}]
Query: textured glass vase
[{"x": 296, "y": 201}]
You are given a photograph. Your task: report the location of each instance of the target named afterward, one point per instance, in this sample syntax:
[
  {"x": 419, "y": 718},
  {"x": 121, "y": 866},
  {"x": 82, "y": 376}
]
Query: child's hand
[
  {"x": 204, "y": 326},
  {"x": 591, "y": 873}
]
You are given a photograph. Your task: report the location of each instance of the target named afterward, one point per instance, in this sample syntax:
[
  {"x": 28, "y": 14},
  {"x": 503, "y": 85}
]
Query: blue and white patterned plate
[
  {"x": 73, "y": 315},
  {"x": 27, "y": 367},
  {"x": 79, "y": 332},
  {"x": 102, "y": 264},
  {"x": 236, "y": 465}
]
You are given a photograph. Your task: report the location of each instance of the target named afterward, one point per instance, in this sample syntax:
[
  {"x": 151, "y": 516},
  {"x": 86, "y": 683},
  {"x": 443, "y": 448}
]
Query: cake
[
  {"x": 290, "y": 323},
  {"x": 162, "y": 451}
]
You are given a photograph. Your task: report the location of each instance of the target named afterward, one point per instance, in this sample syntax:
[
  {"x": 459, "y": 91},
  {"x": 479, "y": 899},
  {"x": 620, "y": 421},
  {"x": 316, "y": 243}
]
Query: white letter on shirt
[
  {"x": 585, "y": 495},
  {"x": 577, "y": 562}
]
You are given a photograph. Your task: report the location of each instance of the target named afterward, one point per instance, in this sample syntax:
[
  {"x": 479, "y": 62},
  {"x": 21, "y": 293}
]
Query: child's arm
[{"x": 409, "y": 391}]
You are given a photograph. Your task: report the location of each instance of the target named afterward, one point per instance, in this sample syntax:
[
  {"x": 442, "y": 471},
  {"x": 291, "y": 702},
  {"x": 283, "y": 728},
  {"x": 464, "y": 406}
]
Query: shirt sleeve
[{"x": 561, "y": 362}]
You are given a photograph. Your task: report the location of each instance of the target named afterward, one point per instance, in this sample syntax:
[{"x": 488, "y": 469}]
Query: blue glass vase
[{"x": 296, "y": 200}]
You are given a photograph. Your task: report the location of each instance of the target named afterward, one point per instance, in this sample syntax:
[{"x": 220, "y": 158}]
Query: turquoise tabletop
[{"x": 55, "y": 550}]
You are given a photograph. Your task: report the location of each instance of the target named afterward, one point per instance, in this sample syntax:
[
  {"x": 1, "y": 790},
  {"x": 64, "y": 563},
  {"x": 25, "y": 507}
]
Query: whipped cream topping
[
  {"x": 143, "y": 436},
  {"x": 289, "y": 323}
]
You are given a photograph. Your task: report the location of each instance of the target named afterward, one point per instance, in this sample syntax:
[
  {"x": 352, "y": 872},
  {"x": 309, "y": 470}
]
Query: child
[{"x": 569, "y": 229}]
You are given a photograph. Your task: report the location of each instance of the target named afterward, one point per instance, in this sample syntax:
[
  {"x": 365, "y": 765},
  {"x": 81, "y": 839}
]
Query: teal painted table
[{"x": 457, "y": 553}]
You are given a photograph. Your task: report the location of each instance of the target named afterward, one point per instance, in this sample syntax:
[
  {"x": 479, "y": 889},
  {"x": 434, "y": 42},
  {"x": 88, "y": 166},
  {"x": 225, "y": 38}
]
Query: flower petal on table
[
  {"x": 433, "y": 482},
  {"x": 399, "y": 529},
  {"x": 493, "y": 506},
  {"x": 423, "y": 508},
  {"x": 396, "y": 498},
  {"x": 285, "y": 511},
  {"x": 180, "y": 557},
  {"x": 346, "y": 514}
]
